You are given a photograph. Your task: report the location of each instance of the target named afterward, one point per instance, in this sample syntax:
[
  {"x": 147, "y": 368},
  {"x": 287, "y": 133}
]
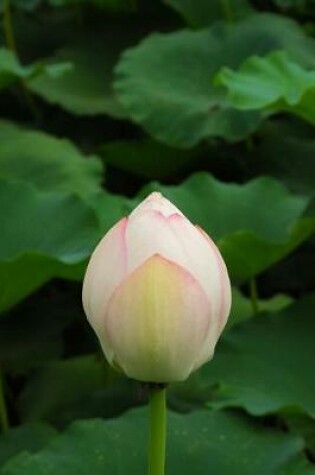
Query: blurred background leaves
[{"x": 213, "y": 104}]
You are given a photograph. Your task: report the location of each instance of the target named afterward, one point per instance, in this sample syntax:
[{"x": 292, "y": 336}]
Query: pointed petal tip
[
  {"x": 155, "y": 195},
  {"x": 155, "y": 201}
]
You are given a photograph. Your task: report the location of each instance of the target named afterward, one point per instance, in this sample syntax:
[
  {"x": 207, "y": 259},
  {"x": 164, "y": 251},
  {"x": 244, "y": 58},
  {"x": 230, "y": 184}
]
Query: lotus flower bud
[{"x": 157, "y": 293}]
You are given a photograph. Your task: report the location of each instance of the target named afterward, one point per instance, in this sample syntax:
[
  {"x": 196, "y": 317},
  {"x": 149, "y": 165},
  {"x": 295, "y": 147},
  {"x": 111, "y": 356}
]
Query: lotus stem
[
  {"x": 227, "y": 10},
  {"x": 157, "y": 433},
  {"x": 10, "y": 42}
]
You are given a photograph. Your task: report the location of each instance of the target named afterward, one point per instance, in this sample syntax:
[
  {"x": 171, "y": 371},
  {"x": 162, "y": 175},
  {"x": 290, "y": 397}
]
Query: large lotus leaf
[
  {"x": 242, "y": 307},
  {"x": 27, "y": 341},
  {"x": 42, "y": 233},
  {"x": 279, "y": 140},
  {"x": 295, "y": 274},
  {"x": 30, "y": 437},
  {"x": 87, "y": 88},
  {"x": 61, "y": 384},
  {"x": 56, "y": 225},
  {"x": 254, "y": 224},
  {"x": 265, "y": 365},
  {"x": 274, "y": 83},
  {"x": 297, "y": 465},
  {"x": 11, "y": 70},
  {"x": 27, "y": 344},
  {"x": 80, "y": 387},
  {"x": 110, "y": 208},
  {"x": 165, "y": 83},
  {"x": 201, "y": 13},
  {"x": 304, "y": 426},
  {"x": 248, "y": 255},
  {"x": 148, "y": 158},
  {"x": 197, "y": 390},
  {"x": 199, "y": 443},
  {"x": 48, "y": 163},
  {"x": 26, "y": 272}
]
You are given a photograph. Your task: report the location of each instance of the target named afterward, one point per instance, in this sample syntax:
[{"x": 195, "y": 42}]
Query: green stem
[
  {"x": 157, "y": 436},
  {"x": 254, "y": 295},
  {"x": 227, "y": 10},
  {"x": 4, "y": 421},
  {"x": 10, "y": 42},
  {"x": 8, "y": 26}
]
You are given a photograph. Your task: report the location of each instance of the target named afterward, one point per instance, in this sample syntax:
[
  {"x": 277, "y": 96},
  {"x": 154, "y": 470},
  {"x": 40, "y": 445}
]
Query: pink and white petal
[
  {"x": 214, "y": 332},
  {"x": 149, "y": 233},
  {"x": 178, "y": 240},
  {"x": 156, "y": 322},
  {"x": 208, "y": 267},
  {"x": 106, "y": 269},
  {"x": 155, "y": 202},
  {"x": 201, "y": 259},
  {"x": 225, "y": 300}
]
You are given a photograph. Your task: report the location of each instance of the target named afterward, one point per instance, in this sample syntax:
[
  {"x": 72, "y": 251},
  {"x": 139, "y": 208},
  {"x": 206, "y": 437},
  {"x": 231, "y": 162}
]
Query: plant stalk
[
  {"x": 227, "y": 10},
  {"x": 10, "y": 42},
  {"x": 8, "y": 26},
  {"x": 4, "y": 421},
  {"x": 157, "y": 433}
]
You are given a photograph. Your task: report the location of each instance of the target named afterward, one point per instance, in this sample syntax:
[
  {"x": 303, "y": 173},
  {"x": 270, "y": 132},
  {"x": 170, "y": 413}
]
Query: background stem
[
  {"x": 8, "y": 26},
  {"x": 227, "y": 10},
  {"x": 4, "y": 421},
  {"x": 10, "y": 42},
  {"x": 254, "y": 295},
  {"x": 157, "y": 435}
]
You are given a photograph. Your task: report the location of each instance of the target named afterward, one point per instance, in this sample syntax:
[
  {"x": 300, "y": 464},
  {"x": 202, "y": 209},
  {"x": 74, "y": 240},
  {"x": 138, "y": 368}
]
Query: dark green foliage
[{"x": 213, "y": 104}]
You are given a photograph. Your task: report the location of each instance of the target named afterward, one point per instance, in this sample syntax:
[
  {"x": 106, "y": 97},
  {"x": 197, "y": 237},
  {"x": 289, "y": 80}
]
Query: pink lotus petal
[
  {"x": 156, "y": 321},
  {"x": 105, "y": 271}
]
